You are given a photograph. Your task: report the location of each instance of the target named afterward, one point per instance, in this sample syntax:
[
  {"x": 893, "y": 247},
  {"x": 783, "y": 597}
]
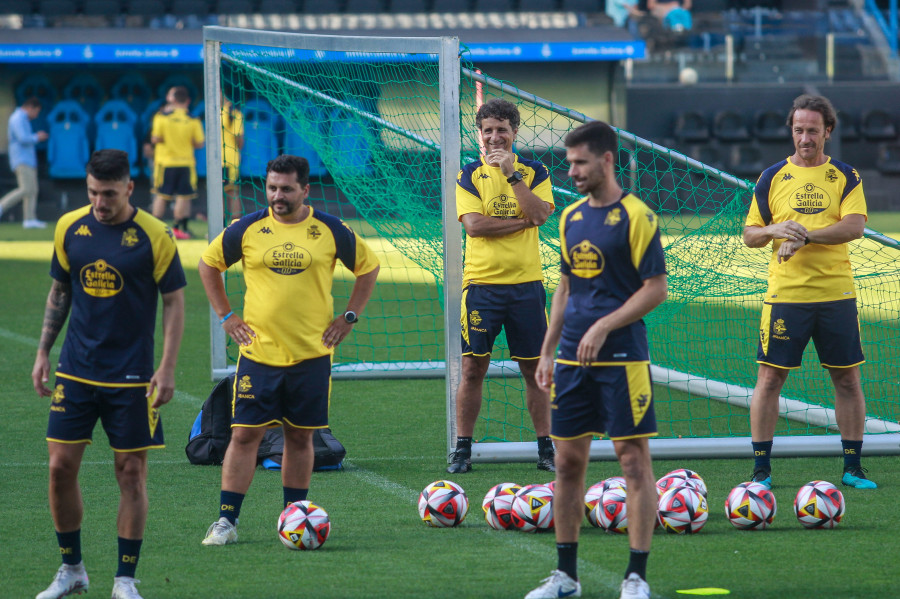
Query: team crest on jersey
[
  {"x": 287, "y": 259},
  {"x": 129, "y": 237},
  {"x": 613, "y": 218},
  {"x": 313, "y": 232},
  {"x": 503, "y": 206},
  {"x": 586, "y": 260},
  {"x": 831, "y": 175},
  {"x": 809, "y": 199},
  {"x": 83, "y": 230},
  {"x": 100, "y": 279}
]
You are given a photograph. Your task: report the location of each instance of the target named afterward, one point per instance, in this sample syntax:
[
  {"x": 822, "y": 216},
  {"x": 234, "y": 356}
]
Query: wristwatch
[
  {"x": 515, "y": 178},
  {"x": 350, "y": 316}
]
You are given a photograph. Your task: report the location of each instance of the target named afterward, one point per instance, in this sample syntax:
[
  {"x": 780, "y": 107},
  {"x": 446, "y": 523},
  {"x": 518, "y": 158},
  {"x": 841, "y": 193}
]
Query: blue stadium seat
[
  {"x": 350, "y": 135},
  {"x": 133, "y": 89},
  {"x": 199, "y": 112},
  {"x": 67, "y": 148},
  {"x": 260, "y": 139},
  {"x": 115, "y": 122},
  {"x": 296, "y": 143},
  {"x": 86, "y": 90}
]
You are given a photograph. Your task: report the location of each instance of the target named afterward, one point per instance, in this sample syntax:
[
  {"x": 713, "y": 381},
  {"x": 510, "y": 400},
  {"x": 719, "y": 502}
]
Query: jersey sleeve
[
  {"x": 59, "y": 264},
  {"x": 854, "y": 200},
  {"x": 157, "y": 127},
  {"x": 468, "y": 198},
  {"x": 754, "y": 218},
  {"x": 646, "y": 246},
  {"x": 198, "y": 131},
  {"x": 541, "y": 185},
  {"x": 366, "y": 260},
  {"x": 564, "y": 266},
  {"x": 168, "y": 271}
]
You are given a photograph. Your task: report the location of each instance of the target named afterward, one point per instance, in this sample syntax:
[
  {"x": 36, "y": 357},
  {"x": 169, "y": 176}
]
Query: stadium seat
[
  {"x": 452, "y": 6},
  {"x": 199, "y": 112},
  {"x": 745, "y": 160},
  {"x": 197, "y": 8},
  {"x": 691, "y": 126},
  {"x": 888, "y": 162},
  {"x": 350, "y": 134},
  {"x": 729, "y": 125},
  {"x": 133, "y": 89},
  {"x": 878, "y": 125},
  {"x": 17, "y": 7},
  {"x": 101, "y": 8},
  {"x": 115, "y": 122},
  {"x": 846, "y": 126},
  {"x": 179, "y": 79},
  {"x": 707, "y": 153},
  {"x": 493, "y": 5},
  {"x": 536, "y": 5},
  {"x": 260, "y": 141},
  {"x": 234, "y": 7},
  {"x": 86, "y": 90},
  {"x": 321, "y": 6},
  {"x": 57, "y": 8},
  {"x": 355, "y": 7},
  {"x": 279, "y": 7},
  {"x": 145, "y": 8},
  {"x": 295, "y": 142},
  {"x": 67, "y": 148},
  {"x": 771, "y": 125},
  {"x": 582, "y": 6},
  {"x": 408, "y": 6}
]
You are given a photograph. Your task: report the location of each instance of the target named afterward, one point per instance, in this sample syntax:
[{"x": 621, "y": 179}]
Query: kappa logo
[
  {"x": 643, "y": 399},
  {"x": 651, "y": 218},
  {"x": 576, "y": 217},
  {"x": 787, "y": 177},
  {"x": 266, "y": 231},
  {"x": 614, "y": 217},
  {"x": 483, "y": 176},
  {"x": 83, "y": 230}
]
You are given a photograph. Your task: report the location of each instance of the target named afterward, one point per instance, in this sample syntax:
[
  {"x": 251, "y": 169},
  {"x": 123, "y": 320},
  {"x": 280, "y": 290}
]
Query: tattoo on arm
[{"x": 58, "y": 303}]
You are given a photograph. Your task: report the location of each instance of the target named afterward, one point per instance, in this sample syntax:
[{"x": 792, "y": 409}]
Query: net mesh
[{"x": 370, "y": 127}]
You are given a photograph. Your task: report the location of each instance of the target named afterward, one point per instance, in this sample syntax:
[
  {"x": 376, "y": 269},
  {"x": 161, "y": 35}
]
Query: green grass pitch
[{"x": 395, "y": 435}]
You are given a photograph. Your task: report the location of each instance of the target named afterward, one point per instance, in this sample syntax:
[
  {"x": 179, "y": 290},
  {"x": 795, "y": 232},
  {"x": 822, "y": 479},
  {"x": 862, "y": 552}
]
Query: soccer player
[
  {"x": 501, "y": 200},
  {"x": 612, "y": 274},
  {"x": 232, "y": 144},
  {"x": 810, "y": 206},
  {"x": 23, "y": 162},
  {"x": 110, "y": 262},
  {"x": 175, "y": 135},
  {"x": 288, "y": 331}
]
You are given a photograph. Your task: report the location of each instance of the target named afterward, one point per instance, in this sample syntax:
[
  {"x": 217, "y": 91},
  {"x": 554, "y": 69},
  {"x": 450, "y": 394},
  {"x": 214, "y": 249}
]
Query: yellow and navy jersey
[
  {"x": 288, "y": 273},
  {"x": 815, "y": 197},
  {"x": 513, "y": 258},
  {"x": 607, "y": 253},
  {"x": 232, "y": 128},
  {"x": 116, "y": 273},
  {"x": 179, "y": 132}
]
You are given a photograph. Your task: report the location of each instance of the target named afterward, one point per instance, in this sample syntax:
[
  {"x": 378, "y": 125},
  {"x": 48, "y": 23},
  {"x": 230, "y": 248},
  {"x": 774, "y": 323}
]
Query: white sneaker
[
  {"x": 558, "y": 584},
  {"x": 123, "y": 588},
  {"x": 635, "y": 587},
  {"x": 70, "y": 580},
  {"x": 221, "y": 532},
  {"x": 34, "y": 224}
]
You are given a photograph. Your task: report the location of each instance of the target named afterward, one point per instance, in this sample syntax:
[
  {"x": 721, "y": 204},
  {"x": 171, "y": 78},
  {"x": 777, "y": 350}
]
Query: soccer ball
[
  {"x": 681, "y": 477},
  {"x": 501, "y": 489},
  {"x": 532, "y": 510},
  {"x": 610, "y": 512},
  {"x": 614, "y": 481},
  {"x": 443, "y": 504},
  {"x": 303, "y": 525},
  {"x": 819, "y": 504},
  {"x": 499, "y": 513},
  {"x": 750, "y": 506},
  {"x": 683, "y": 510},
  {"x": 591, "y": 498}
]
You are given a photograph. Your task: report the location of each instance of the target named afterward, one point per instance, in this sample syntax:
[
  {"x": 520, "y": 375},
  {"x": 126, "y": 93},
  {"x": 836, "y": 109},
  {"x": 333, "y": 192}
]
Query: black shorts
[
  {"x": 596, "y": 400},
  {"x": 175, "y": 182},
  {"x": 129, "y": 421},
  {"x": 297, "y": 395},
  {"x": 785, "y": 331},
  {"x": 521, "y": 310}
]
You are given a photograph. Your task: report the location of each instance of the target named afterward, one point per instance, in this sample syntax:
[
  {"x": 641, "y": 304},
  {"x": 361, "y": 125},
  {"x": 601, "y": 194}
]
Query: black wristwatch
[
  {"x": 350, "y": 316},
  {"x": 515, "y": 178}
]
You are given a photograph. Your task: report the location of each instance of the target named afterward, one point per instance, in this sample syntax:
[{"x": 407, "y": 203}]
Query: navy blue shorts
[
  {"x": 596, "y": 400},
  {"x": 520, "y": 309},
  {"x": 785, "y": 331},
  {"x": 175, "y": 181},
  {"x": 297, "y": 395},
  {"x": 129, "y": 421}
]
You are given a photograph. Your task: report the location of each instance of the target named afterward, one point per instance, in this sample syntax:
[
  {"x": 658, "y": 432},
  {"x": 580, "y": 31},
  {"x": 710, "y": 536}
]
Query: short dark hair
[
  {"x": 819, "y": 104},
  {"x": 599, "y": 137},
  {"x": 287, "y": 164},
  {"x": 32, "y": 102},
  {"x": 500, "y": 109},
  {"x": 181, "y": 94},
  {"x": 109, "y": 165}
]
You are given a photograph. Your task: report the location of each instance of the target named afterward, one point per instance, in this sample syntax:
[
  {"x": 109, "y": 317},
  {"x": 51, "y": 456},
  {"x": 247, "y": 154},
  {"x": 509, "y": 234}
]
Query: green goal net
[{"x": 370, "y": 124}]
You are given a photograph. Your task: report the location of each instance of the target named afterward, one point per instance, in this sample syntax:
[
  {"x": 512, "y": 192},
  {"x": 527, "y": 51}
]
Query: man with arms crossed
[
  {"x": 288, "y": 331},
  {"x": 110, "y": 262},
  {"x": 501, "y": 199},
  {"x": 612, "y": 274},
  {"x": 810, "y": 206}
]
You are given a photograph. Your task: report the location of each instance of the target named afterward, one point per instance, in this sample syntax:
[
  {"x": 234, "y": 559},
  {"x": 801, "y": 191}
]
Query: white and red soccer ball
[
  {"x": 819, "y": 504},
  {"x": 681, "y": 477},
  {"x": 683, "y": 510},
  {"x": 750, "y": 506},
  {"x": 443, "y": 504},
  {"x": 303, "y": 525},
  {"x": 497, "y": 505},
  {"x": 532, "y": 509},
  {"x": 609, "y": 513}
]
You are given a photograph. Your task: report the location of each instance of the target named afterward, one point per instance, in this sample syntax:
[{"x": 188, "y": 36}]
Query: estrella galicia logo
[
  {"x": 586, "y": 260},
  {"x": 287, "y": 259},
  {"x": 809, "y": 199},
  {"x": 503, "y": 206},
  {"x": 100, "y": 279}
]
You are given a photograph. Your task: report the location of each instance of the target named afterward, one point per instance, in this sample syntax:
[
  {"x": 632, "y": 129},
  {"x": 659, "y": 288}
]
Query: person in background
[{"x": 23, "y": 162}]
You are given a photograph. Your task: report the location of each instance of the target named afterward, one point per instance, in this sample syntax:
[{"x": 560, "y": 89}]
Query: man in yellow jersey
[
  {"x": 175, "y": 135},
  {"x": 810, "y": 206},
  {"x": 232, "y": 144},
  {"x": 287, "y": 332},
  {"x": 111, "y": 262},
  {"x": 501, "y": 200},
  {"x": 612, "y": 274}
]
